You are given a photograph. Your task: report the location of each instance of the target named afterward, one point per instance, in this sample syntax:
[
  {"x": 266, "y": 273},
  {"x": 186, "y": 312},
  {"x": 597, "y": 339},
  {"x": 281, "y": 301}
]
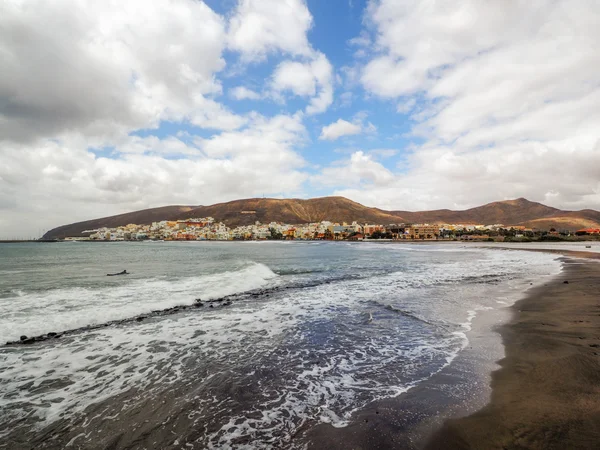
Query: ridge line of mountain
[{"x": 515, "y": 212}]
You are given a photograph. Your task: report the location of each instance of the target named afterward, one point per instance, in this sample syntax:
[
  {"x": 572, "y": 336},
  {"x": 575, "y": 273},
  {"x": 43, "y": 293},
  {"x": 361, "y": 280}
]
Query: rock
[
  {"x": 52, "y": 334},
  {"x": 199, "y": 303},
  {"x": 198, "y": 300},
  {"x": 139, "y": 319},
  {"x": 565, "y": 282},
  {"x": 23, "y": 338},
  {"x": 28, "y": 341},
  {"x": 211, "y": 306}
]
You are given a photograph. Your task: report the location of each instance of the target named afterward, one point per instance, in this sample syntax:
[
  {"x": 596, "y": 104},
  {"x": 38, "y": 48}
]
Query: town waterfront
[{"x": 290, "y": 335}]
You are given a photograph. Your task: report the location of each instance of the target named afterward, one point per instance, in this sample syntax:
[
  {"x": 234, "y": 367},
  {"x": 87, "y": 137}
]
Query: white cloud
[
  {"x": 312, "y": 78},
  {"x": 80, "y": 76},
  {"x": 342, "y": 127},
  {"x": 502, "y": 95},
  {"x": 296, "y": 77},
  {"x": 338, "y": 129},
  {"x": 243, "y": 93},
  {"x": 102, "y": 68},
  {"x": 43, "y": 184},
  {"x": 260, "y": 27},
  {"x": 442, "y": 178},
  {"x": 359, "y": 169}
]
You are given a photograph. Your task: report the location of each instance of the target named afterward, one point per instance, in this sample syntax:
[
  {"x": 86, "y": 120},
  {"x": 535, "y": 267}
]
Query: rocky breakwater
[{"x": 198, "y": 304}]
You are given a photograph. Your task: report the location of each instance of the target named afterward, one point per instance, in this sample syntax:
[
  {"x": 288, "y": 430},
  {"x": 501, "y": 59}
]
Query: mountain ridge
[{"x": 516, "y": 212}]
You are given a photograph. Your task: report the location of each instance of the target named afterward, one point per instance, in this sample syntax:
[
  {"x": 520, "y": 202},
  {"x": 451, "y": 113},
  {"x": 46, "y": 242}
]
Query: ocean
[{"x": 289, "y": 335}]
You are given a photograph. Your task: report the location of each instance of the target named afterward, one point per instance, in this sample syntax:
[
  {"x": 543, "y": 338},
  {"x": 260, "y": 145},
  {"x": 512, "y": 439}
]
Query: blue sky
[
  {"x": 334, "y": 24},
  {"x": 108, "y": 107}
]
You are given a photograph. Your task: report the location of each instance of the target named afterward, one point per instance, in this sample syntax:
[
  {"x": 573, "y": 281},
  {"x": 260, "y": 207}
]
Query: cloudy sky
[{"x": 112, "y": 106}]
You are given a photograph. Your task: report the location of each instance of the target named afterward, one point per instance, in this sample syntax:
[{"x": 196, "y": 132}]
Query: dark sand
[{"x": 547, "y": 393}]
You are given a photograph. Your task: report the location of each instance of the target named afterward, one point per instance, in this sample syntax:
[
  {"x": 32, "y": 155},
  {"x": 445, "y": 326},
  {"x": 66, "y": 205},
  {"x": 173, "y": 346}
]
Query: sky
[{"x": 114, "y": 106}]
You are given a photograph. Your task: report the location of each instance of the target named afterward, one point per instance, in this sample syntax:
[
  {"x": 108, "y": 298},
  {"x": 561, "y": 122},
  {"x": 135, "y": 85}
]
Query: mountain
[
  {"x": 145, "y": 216},
  {"x": 339, "y": 209},
  {"x": 508, "y": 212},
  {"x": 294, "y": 211}
]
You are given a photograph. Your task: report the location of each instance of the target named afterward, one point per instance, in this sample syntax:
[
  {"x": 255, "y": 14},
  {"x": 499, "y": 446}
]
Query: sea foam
[{"x": 57, "y": 310}]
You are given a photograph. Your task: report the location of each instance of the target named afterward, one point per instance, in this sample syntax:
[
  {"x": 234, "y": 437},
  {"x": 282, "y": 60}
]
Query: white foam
[
  {"x": 315, "y": 371},
  {"x": 64, "y": 309}
]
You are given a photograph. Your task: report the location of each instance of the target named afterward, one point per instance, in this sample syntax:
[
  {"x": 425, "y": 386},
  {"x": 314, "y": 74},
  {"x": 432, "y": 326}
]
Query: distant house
[
  {"x": 422, "y": 231},
  {"x": 474, "y": 237},
  {"x": 357, "y": 237},
  {"x": 588, "y": 231}
]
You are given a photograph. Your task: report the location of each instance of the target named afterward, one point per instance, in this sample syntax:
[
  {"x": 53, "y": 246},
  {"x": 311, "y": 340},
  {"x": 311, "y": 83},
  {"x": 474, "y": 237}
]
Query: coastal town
[{"x": 208, "y": 229}]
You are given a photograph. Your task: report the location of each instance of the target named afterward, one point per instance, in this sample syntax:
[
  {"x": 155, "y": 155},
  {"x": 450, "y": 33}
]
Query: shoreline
[
  {"x": 460, "y": 388},
  {"x": 545, "y": 394},
  {"x": 427, "y": 416}
]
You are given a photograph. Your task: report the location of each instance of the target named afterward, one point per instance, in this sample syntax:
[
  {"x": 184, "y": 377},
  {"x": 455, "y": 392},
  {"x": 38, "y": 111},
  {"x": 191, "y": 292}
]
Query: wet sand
[{"x": 547, "y": 393}]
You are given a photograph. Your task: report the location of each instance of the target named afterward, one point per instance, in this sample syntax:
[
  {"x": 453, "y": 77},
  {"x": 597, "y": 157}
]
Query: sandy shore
[{"x": 547, "y": 393}]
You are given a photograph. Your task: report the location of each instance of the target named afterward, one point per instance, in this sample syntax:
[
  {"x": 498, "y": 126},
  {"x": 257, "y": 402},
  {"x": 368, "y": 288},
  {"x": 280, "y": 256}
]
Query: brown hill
[
  {"x": 243, "y": 212},
  {"x": 340, "y": 209},
  {"x": 509, "y": 212},
  {"x": 145, "y": 216},
  {"x": 293, "y": 211}
]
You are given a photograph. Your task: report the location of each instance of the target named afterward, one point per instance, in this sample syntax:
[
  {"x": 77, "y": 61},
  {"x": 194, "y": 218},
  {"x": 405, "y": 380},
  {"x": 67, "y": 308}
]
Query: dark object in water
[
  {"x": 588, "y": 246},
  {"x": 115, "y": 274},
  {"x": 565, "y": 282}
]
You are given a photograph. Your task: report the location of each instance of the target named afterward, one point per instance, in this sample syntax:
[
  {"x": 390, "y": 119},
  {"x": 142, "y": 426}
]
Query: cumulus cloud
[
  {"x": 502, "y": 95},
  {"x": 359, "y": 169},
  {"x": 44, "y": 183},
  {"x": 312, "y": 78},
  {"x": 102, "y": 68},
  {"x": 338, "y": 129},
  {"x": 259, "y": 27},
  {"x": 78, "y": 83},
  {"x": 342, "y": 127},
  {"x": 243, "y": 93}
]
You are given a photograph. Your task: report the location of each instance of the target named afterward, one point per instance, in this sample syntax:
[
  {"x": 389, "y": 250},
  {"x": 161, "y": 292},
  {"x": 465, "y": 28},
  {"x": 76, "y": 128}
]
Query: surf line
[{"x": 198, "y": 304}]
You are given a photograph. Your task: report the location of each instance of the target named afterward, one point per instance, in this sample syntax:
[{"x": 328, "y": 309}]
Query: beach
[
  {"x": 289, "y": 343},
  {"x": 546, "y": 394},
  {"x": 288, "y": 353}
]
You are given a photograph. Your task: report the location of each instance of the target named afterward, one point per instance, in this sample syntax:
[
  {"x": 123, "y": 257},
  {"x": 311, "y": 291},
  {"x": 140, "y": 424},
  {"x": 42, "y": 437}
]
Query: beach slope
[{"x": 546, "y": 395}]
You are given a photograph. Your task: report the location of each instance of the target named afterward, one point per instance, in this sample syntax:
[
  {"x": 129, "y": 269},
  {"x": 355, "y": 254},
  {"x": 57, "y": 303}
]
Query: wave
[
  {"x": 297, "y": 271},
  {"x": 73, "y": 308}
]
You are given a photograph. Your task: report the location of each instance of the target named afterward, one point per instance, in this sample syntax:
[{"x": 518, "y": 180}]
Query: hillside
[
  {"x": 145, "y": 216},
  {"x": 294, "y": 211},
  {"x": 236, "y": 213},
  {"x": 340, "y": 209},
  {"x": 509, "y": 212}
]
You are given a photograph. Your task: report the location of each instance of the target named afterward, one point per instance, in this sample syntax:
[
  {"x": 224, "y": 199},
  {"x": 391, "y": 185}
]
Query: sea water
[{"x": 308, "y": 332}]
